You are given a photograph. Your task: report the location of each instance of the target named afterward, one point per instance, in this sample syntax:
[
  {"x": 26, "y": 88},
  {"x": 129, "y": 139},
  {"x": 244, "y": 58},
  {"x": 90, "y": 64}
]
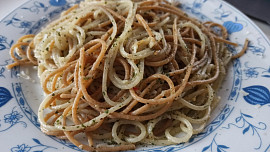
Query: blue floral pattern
[
  {"x": 19, "y": 96},
  {"x": 242, "y": 122},
  {"x": 256, "y": 48},
  {"x": 215, "y": 147},
  {"x": 11, "y": 120},
  {"x": 251, "y": 73},
  {"x": 38, "y": 147},
  {"x": 19, "y": 23},
  {"x": 194, "y": 9},
  {"x": 231, "y": 26},
  {"x": 237, "y": 80},
  {"x": 216, "y": 122},
  {"x": 254, "y": 72},
  {"x": 37, "y": 7},
  {"x": 4, "y": 43},
  {"x": 21, "y": 148},
  {"x": 13, "y": 117},
  {"x": 3, "y": 69}
]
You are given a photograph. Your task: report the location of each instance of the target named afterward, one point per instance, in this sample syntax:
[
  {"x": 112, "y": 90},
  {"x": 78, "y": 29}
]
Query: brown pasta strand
[{"x": 114, "y": 70}]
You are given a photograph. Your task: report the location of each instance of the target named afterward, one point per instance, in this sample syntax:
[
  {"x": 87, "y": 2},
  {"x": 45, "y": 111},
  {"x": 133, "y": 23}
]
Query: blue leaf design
[
  {"x": 73, "y": 146},
  {"x": 237, "y": 71},
  {"x": 237, "y": 82},
  {"x": 16, "y": 19},
  {"x": 205, "y": 148},
  {"x": 211, "y": 129},
  {"x": 2, "y": 70},
  {"x": 227, "y": 110},
  {"x": 238, "y": 119},
  {"x": 8, "y": 22},
  {"x": 233, "y": 94},
  {"x": 202, "y": 133},
  {"x": 257, "y": 95},
  {"x": 215, "y": 122},
  {"x": 266, "y": 76},
  {"x": 191, "y": 140},
  {"x": 169, "y": 149},
  {"x": 35, "y": 118},
  {"x": 222, "y": 117},
  {"x": 2, "y": 47},
  {"x": 28, "y": 112},
  {"x": 268, "y": 70},
  {"x": 5, "y": 96},
  {"x": 21, "y": 101},
  {"x": 245, "y": 130},
  {"x": 220, "y": 6},
  {"x": 41, "y": 5},
  {"x": 236, "y": 19},
  {"x": 37, "y": 141},
  {"x": 223, "y": 147},
  {"x": 246, "y": 115},
  {"x": 225, "y": 15},
  {"x": 11, "y": 43}
]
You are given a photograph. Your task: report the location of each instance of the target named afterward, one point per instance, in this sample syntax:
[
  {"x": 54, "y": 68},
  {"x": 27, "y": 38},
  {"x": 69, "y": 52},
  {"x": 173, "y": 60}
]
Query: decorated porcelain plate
[{"x": 239, "y": 123}]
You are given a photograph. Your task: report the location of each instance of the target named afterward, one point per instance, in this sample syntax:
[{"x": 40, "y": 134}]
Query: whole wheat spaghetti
[{"x": 113, "y": 71}]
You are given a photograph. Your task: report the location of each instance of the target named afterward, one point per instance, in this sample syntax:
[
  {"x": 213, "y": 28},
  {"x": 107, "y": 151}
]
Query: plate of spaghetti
[{"x": 133, "y": 75}]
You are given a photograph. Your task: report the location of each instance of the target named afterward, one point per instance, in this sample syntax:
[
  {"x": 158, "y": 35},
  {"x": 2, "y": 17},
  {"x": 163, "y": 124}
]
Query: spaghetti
[{"x": 113, "y": 71}]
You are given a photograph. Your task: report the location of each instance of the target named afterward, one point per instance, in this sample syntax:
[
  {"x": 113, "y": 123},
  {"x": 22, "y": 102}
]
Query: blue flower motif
[
  {"x": 251, "y": 73},
  {"x": 38, "y": 147},
  {"x": 21, "y": 148},
  {"x": 36, "y": 8},
  {"x": 13, "y": 117},
  {"x": 25, "y": 24},
  {"x": 3, "y": 39}
]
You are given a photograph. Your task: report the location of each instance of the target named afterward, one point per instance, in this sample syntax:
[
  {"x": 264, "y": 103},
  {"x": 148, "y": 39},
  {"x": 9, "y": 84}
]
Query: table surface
[{"x": 9, "y": 5}]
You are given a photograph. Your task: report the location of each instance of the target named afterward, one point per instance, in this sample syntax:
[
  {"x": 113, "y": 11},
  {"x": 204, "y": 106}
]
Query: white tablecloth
[{"x": 6, "y": 6}]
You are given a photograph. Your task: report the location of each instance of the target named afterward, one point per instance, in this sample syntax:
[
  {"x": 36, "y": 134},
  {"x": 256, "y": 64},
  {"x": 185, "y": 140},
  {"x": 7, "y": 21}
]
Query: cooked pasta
[{"x": 113, "y": 71}]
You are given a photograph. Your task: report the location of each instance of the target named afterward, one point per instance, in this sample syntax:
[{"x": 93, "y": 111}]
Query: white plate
[{"x": 240, "y": 123}]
